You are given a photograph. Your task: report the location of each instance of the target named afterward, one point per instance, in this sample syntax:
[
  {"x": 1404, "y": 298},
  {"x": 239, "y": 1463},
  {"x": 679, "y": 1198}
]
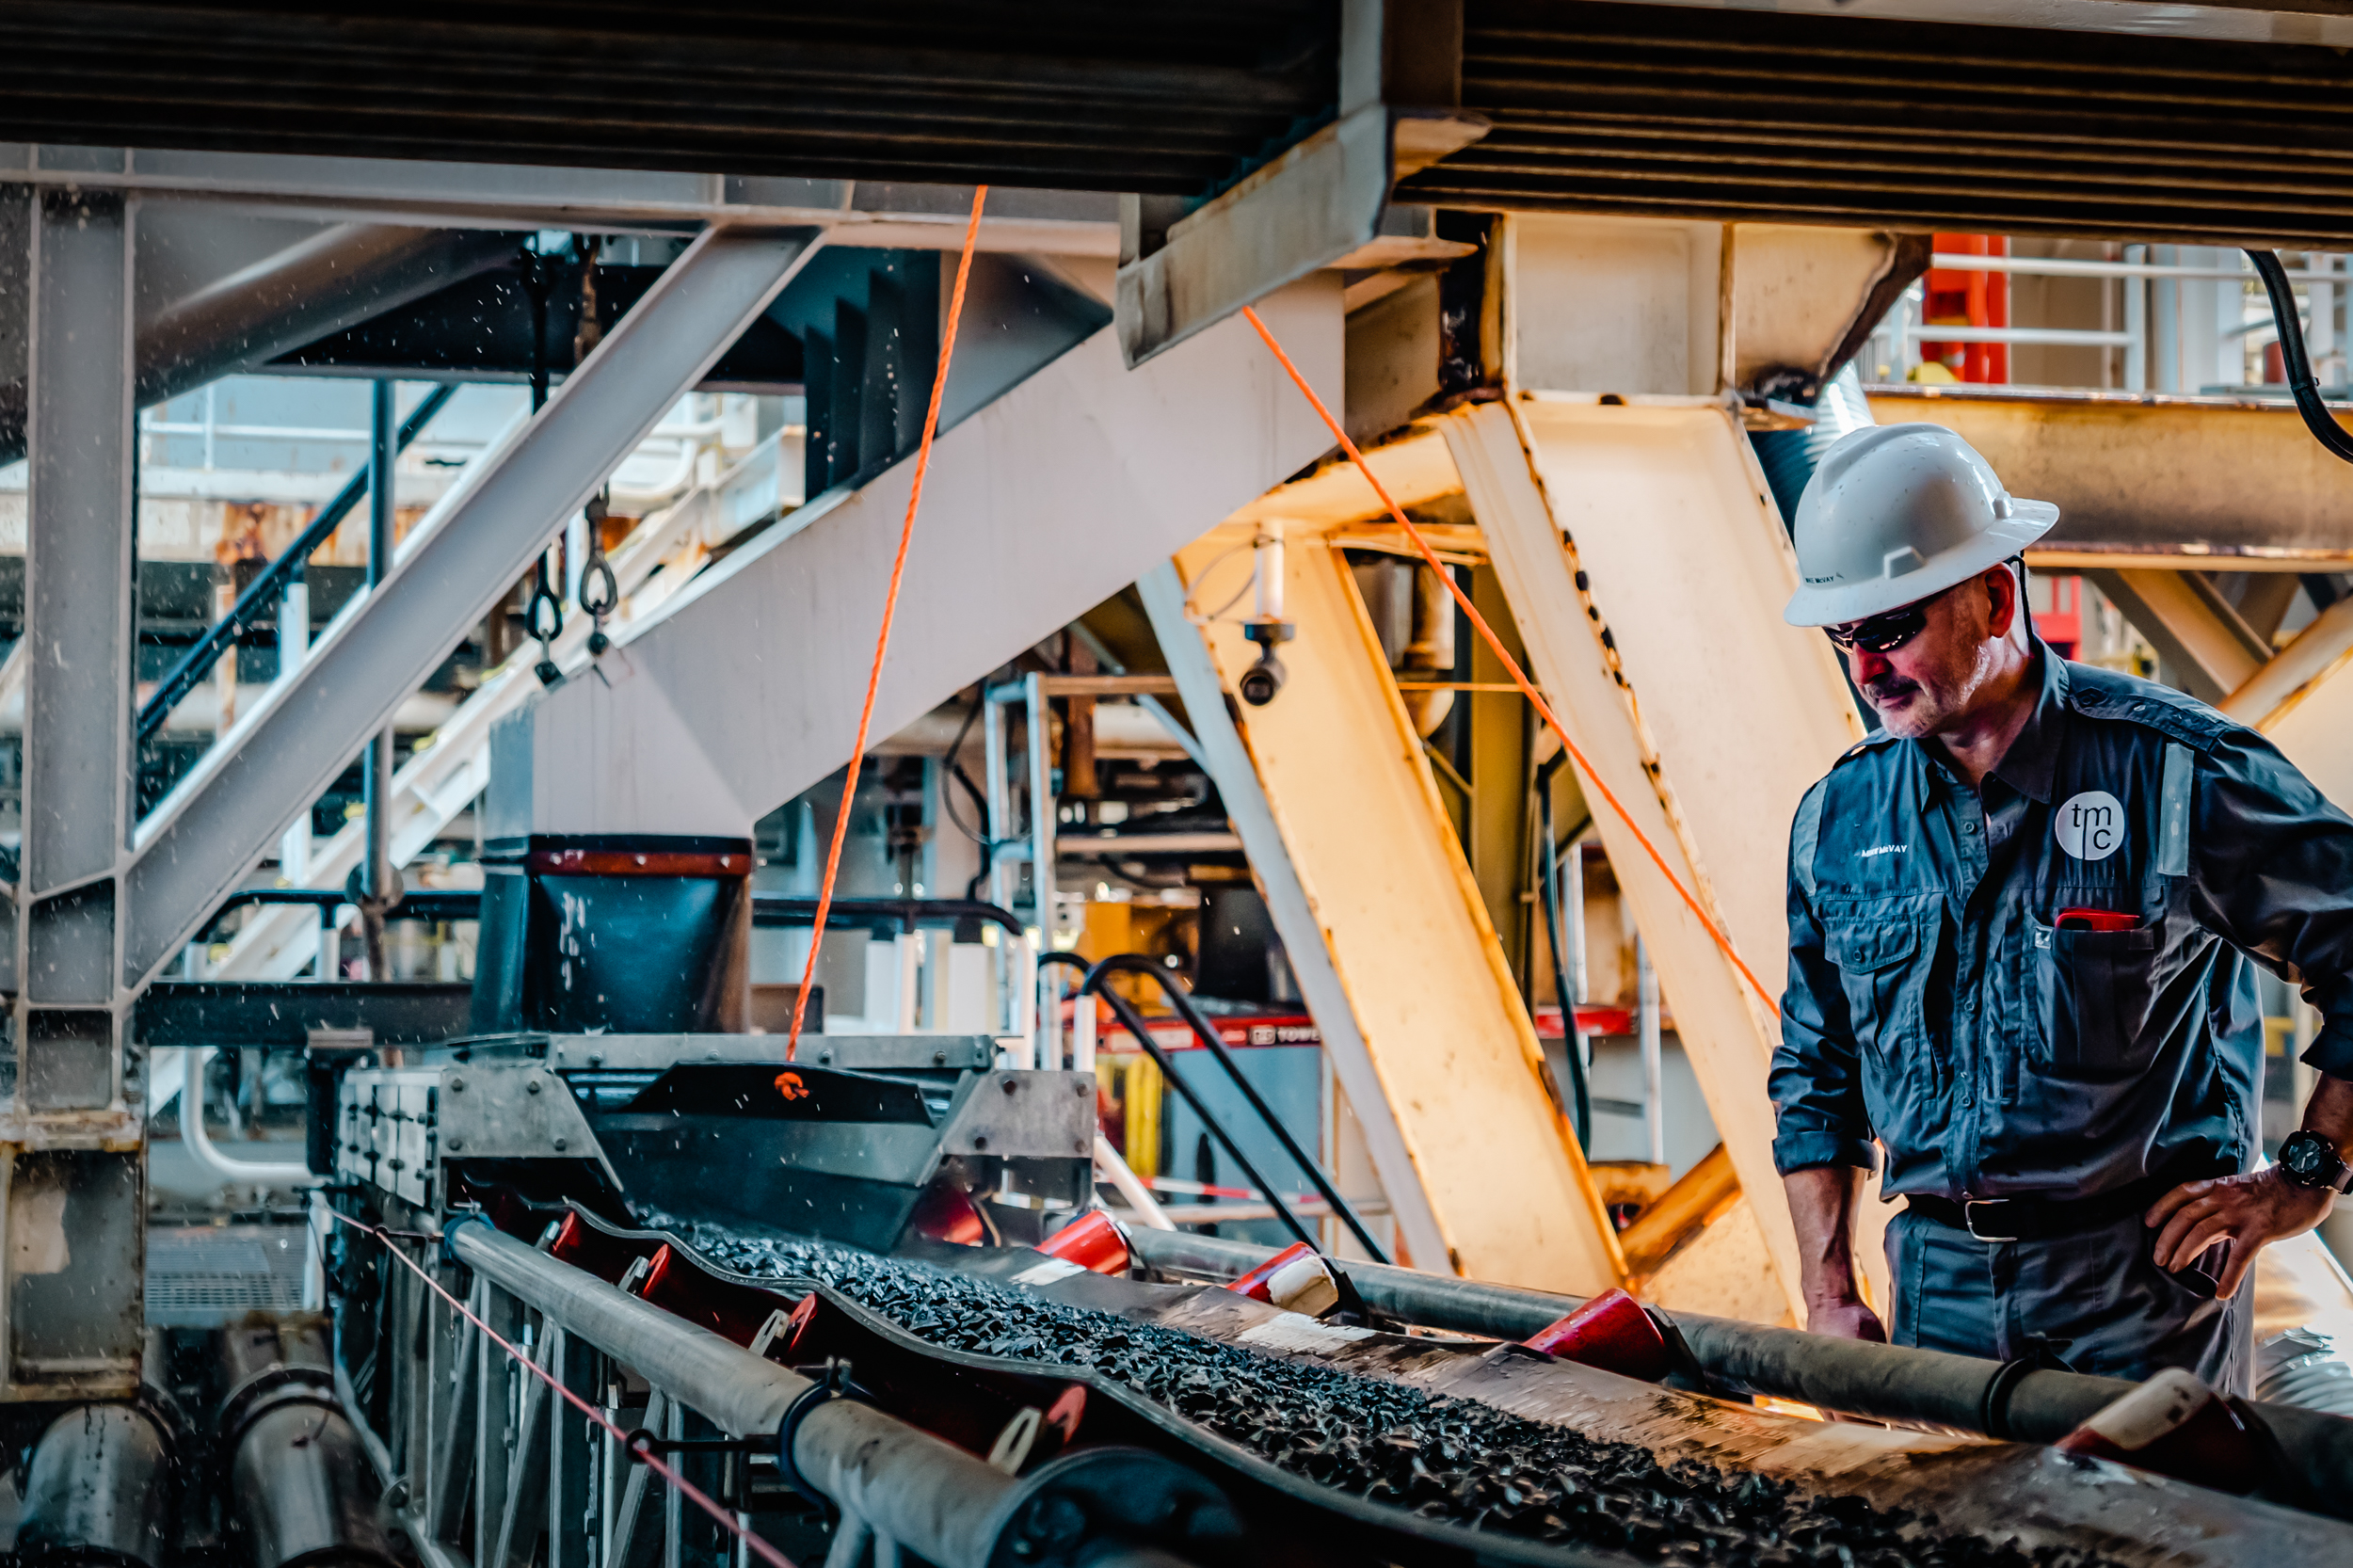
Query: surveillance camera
[{"x": 1261, "y": 680}]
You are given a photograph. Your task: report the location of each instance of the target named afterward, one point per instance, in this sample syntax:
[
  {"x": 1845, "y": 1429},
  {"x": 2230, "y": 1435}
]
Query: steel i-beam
[
  {"x": 204, "y": 836},
  {"x": 71, "y": 1314}
]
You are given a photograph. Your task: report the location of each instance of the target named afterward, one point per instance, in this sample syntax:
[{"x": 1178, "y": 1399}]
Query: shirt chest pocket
[
  {"x": 1884, "y": 950},
  {"x": 2089, "y": 997}
]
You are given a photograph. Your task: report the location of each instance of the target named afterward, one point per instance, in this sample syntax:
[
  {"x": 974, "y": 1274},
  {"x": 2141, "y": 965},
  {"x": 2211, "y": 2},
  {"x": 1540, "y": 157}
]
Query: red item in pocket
[{"x": 2095, "y": 920}]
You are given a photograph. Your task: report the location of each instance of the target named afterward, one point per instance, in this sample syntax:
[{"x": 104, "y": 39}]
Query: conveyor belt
[{"x": 1439, "y": 1457}]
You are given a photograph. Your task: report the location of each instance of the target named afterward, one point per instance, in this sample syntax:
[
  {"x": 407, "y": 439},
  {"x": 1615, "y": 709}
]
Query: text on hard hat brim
[{"x": 1837, "y": 603}]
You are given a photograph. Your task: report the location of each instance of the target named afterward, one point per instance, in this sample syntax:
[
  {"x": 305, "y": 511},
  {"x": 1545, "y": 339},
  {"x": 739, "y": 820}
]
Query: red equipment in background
[
  {"x": 1952, "y": 297},
  {"x": 2057, "y": 607}
]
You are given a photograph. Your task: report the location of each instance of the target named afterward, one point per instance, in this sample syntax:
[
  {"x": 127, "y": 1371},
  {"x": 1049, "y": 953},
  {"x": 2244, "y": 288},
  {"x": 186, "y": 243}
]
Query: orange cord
[
  {"x": 686, "y": 1489},
  {"x": 1519, "y": 676},
  {"x": 890, "y": 612}
]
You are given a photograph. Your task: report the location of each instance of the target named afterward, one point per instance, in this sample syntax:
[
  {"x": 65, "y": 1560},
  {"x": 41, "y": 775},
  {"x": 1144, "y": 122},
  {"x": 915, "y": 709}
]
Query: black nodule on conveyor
[{"x": 1444, "y": 1459}]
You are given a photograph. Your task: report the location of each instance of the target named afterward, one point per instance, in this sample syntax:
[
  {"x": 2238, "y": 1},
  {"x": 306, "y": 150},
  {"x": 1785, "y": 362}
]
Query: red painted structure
[{"x": 1951, "y": 298}]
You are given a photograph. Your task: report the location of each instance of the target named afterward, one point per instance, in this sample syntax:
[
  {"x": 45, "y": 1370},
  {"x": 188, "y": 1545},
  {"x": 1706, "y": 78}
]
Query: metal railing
[
  {"x": 2162, "y": 317},
  {"x": 480, "y": 1460},
  {"x": 260, "y": 601},
  {"x": 1206, "y": 1032}
]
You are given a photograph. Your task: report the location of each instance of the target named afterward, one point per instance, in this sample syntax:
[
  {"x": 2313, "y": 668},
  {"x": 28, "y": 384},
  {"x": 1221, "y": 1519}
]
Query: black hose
[
  {"x": 1580, "y": 1091},
  {"x": 2301, "y": 384},
  {"x": 1135, "y": 1024},
  {"x": 1206, "y": 1032}
]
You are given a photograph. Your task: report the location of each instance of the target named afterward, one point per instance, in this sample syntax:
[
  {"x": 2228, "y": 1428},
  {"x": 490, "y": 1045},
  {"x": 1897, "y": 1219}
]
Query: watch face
[{"x": 2301, "y": 1154}]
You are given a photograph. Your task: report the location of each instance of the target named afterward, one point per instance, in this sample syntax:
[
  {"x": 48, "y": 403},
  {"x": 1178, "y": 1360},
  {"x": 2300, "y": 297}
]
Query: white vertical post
[
  {"x": 1082, "y": 1033},
  {"x": 907, "y": 953},
  {"x": 2230, "y": 324},
  {"x": 2137, "y": 322},
  {"x": 293, "y": 646},
  {"x": 993, "y": 761},
  {"x": 315, "y": 1253},
  {"x": 575, "y": 555},
  {"x": 1025, "y": 953},
  {"x": 2165, "y": 323},
  {"x": 1042, "y": 804},
  {"x": 1646, "y": 1013},
  {"x": 1907, "y": 346},
  {"x": 1049, "y": 1018},
  {"x": 1573, "y": 895},
  {"x": 2320, "y": 335}
]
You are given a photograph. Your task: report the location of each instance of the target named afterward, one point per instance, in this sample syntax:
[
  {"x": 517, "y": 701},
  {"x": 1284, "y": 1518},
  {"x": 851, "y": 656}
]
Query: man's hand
[
  {"x": 1845, "y": 1318},
  {"x": 2245, "y": 1210}
]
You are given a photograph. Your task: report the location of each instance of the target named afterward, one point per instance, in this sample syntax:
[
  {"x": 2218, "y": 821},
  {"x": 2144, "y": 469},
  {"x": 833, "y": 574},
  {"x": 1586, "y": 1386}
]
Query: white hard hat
[{"x": 1897, "y": 513}]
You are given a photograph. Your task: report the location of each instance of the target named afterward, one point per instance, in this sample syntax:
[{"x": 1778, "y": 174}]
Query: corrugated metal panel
[
  {"x": 1735, "y": 113},
  {"x": 1060, "y": 93}
]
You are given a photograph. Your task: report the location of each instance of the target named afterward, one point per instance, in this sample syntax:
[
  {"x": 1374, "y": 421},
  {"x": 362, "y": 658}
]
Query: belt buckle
[{"x": 1969, "y": 1207}]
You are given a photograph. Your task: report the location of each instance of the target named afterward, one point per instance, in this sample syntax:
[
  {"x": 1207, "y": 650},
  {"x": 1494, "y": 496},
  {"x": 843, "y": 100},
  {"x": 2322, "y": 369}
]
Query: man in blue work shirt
[{"x": 2020, "y": 915}]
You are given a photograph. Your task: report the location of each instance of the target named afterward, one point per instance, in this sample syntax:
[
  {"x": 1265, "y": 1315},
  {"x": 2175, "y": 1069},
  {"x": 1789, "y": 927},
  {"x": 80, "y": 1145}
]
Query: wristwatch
[{"x": 2309, "y": 1160}]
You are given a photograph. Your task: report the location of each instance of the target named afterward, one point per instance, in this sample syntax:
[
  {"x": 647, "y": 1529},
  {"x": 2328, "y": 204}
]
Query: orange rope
[
  {"x": 1519, "y": 676},
  {"x": 890, "y": 613},
  {"x": 686, "y": 1489}
]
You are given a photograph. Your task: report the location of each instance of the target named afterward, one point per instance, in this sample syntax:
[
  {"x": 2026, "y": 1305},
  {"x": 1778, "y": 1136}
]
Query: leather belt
[{"x": 2040, "y": 1219}]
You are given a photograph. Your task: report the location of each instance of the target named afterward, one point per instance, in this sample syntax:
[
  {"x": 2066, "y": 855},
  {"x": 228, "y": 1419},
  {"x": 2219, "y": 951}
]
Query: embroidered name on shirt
[{"x": 1881, "y": 848}]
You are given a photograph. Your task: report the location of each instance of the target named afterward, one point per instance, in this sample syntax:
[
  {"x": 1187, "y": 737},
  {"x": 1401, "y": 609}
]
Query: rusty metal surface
[{"x": 2232, "y": 484}]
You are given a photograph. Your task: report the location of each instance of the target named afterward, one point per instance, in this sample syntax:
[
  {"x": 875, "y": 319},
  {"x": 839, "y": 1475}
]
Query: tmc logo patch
[{"x": 2091, "y": 826}]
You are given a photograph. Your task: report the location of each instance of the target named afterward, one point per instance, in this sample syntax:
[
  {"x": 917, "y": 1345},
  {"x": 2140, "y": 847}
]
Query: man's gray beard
[
  {"x": 1932, "y": 709},
  {"x": 1912, "y": 725}
]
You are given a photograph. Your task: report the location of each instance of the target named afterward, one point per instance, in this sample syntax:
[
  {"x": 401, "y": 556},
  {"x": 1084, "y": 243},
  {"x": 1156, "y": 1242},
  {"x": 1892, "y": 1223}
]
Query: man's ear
[{"x": 2003, "y": 608}]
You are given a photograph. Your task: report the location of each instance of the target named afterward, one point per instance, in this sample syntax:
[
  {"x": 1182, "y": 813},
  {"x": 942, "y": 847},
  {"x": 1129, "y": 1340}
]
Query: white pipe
[
  {"x": 1115, "y": 1170},
  {"x": 251, "y": 1172},
  {"x": 1646, "y": 1012},
  {"x": 2070, "y": 336},
  {"x": 1049, "y": 1020},
  {"x": 1082, "y": 1033},
  {"x": 314, "y": 1251},
  {"x": 2053, "y": 266},
  {"x": 1270, "y": 572},
  {"x": 1025, "y": 973},
  {"x": 908, "y": 954}
]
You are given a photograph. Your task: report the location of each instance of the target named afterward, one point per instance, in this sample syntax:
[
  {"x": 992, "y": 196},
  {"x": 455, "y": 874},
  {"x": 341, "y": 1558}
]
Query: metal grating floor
[{"x": 202, "y": 1277}]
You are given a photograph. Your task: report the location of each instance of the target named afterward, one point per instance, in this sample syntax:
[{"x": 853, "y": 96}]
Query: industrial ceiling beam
[
  {"x": 1067, "y": 96},
  {"x": 507, "y": 196},
  {"x": 1185, "y": 266},
  {"x": 1744, "y": 115},
  {"x": 455, "y": 565}
]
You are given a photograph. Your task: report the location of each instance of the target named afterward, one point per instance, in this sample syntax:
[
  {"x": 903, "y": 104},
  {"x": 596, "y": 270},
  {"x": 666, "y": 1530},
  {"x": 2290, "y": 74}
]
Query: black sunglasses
[
  {"x": 1890, "y": 630},
  {"x": 1886, "y": 633}
]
